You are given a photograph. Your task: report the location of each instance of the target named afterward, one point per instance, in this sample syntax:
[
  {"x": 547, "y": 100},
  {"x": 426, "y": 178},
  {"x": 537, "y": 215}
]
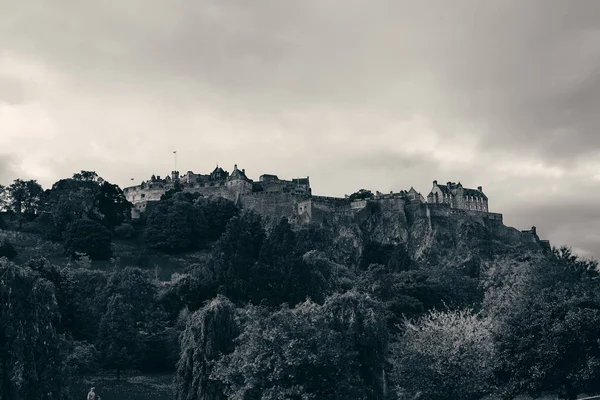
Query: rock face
[{"x": 461, "y": 239}]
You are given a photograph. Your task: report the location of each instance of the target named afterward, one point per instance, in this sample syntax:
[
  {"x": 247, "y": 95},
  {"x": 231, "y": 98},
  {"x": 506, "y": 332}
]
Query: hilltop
[{"x": 371, "y": 291}]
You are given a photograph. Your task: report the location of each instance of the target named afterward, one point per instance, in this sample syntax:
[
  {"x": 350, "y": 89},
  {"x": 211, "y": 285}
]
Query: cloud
[{"x": 383, "y": 95}]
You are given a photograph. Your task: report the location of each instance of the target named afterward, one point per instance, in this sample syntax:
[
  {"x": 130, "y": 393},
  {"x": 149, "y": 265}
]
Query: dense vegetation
[{"x": 272, "y": 310}]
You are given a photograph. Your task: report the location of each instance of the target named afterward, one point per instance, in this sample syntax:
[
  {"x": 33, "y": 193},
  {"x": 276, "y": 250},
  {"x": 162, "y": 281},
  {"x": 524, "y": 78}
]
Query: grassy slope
[{"x": 125, "y": 253}]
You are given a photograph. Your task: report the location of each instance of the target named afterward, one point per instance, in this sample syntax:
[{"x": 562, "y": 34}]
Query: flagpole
[{"x": 175, "y": 152}]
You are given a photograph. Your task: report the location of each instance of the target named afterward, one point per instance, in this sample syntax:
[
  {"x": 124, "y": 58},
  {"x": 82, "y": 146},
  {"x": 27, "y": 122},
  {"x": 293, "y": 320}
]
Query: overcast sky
[{"x": 372, "y": 94}]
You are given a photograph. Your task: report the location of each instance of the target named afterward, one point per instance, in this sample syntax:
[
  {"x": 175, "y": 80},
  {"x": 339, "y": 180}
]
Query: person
[{"x": 92, "y": 394}]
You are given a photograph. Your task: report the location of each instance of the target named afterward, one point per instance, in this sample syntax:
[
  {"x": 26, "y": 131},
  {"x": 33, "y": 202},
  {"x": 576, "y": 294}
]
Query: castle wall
[
  {"x": 271, "y": 206},
  {"x": 439, "y": 209}
]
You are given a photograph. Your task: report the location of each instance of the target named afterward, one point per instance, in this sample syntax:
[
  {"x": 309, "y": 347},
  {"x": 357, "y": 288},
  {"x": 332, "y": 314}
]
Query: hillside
[{"x": 381, "y": 299}]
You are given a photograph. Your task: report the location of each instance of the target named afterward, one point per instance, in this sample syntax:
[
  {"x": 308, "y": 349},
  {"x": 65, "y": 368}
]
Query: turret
[{"x": 480, "y": 189}]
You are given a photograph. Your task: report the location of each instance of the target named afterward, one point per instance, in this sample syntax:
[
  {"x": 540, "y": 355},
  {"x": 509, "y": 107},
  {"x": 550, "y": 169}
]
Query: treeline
[
  {"x": 281, "y": 313},
  {"x": 84, "y": 212}
]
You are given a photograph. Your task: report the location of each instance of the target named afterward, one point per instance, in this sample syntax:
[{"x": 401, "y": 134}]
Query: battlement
[{"x": 273, "y": 197}]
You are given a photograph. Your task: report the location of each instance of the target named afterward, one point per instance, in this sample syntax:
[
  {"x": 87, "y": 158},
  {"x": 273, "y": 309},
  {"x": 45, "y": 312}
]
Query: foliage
[
  {"x": 546, "y": 325},
  {"x": 124, "y": 231},
  {"x": 236, "y": 252},
  {"x": 86, "y": 302},
  {"x": 360, "y": 319},
  {"x": 362, "y": 194},
  {"x": 112, "y": 205},
  {"x": 217, "y": 212},
  {"x": 445, "y": 355},
  {"x": 31, "y": 360},
  {"x": 84, "y": 196},
  {"x": 82, "y": 359},
  {"x": 24, "y": 196},
  {"x": 291, "y": 353},
  {"x": 89, "y": 237},
  {"x": 7, "y": 249},
  {"x": 394, "y": 257},
  {"x": 118, "y": 338},
  {"x": 209, "y": 333},
  {"x": 175, "y": 226}
]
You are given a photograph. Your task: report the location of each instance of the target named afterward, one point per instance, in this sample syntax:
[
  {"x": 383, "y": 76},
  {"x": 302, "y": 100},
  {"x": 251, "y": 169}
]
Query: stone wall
[{"x": 272, "y": 206}]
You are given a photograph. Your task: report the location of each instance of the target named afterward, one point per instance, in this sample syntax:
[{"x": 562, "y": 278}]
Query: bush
[
  {"x": 124, "y": 231},
  {"x": 7, "y": 249},
  {"x": 89, "y": 237}
]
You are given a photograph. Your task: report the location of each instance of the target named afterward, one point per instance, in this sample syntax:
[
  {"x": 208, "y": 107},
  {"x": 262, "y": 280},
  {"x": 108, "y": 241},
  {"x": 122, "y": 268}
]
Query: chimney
[
  {"x": 244, "y": 171},
  {"x": 434, "y": 183},
  {"x": 534, "y": 230},
  {"x": 480, "y": 189},
  {"x": 234, "y": 167}
]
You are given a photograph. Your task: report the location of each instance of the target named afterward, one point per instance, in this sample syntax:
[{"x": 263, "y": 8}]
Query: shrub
[
  {"x": 89, "y": 237},
  {"x": 7, "y": 249},
  {"x": 124, "y": 231}
]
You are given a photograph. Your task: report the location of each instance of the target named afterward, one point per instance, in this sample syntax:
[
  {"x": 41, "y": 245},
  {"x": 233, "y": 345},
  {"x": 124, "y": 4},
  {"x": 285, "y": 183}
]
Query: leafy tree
[
  {"x": 546, "y": 325},
  {"x": 362, "y": 194},
  {"x": 135, "y": 287},
  {"x": 82, "y": 359},
  {"x": 217, "y": 212},
  {"x": 445, "y": 355},
  {"x": 86, "y": 301},
  {"x": 25, "y": 196},
  {"x": 175, "y": 226},
  {"x": 209, "y": 333},
  {"x": 291, "y": 353},
  {"x": 360, "y": 319},
  {"x": 124, "y": 231},
  {"x": 395, "y": 257},
  {"x": 84, "y": 196},
  {"x": 88, "y": 237},
  {"x": 86, "y": 176},
  {"x": 31, "y": 360},
  {"x": 7, "y": 249},
  {"x": 236, "y": 252},
  {"x": 112, "y": 205},
  {"x": 4, "y": 198},
  {"x": 118, "y": 337}
]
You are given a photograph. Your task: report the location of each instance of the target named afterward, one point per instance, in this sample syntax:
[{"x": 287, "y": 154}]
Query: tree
[
  {"x": 217, "y": 212},
  {"x": 445, "y": 355},
  {"x": 118, "y": 338},
  {"x": 360, "y": 319},
  {"x": 112, "y": 205},
  {"x": 84, "y": 196},
  {"x": 362, "y": 194},
  {"x": 236, "y": 252},
  {"x": 7, "y": 249},
  {"x": 209, "y": 334},
  {"x": 4, "y": 198},
  {"x": 291, "y": 353},
  {"x": 546, "y": 313},
  {"x": 88, "y": 237},
  {"x": 25, "y": 196},
  {"x": 31, "y": 360},
  {"x": 175, "y": 226}
]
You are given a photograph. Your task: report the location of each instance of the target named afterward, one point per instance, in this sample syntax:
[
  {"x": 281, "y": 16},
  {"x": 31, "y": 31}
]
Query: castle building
[
  {"x": 459, "y": 197},
  {"x": 218, "y": 183},
  {"x": 274, "y": 198}
]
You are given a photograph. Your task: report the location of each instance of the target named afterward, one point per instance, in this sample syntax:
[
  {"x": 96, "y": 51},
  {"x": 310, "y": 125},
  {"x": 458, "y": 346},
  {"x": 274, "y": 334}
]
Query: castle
[{"x": 274, "y": 198}]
